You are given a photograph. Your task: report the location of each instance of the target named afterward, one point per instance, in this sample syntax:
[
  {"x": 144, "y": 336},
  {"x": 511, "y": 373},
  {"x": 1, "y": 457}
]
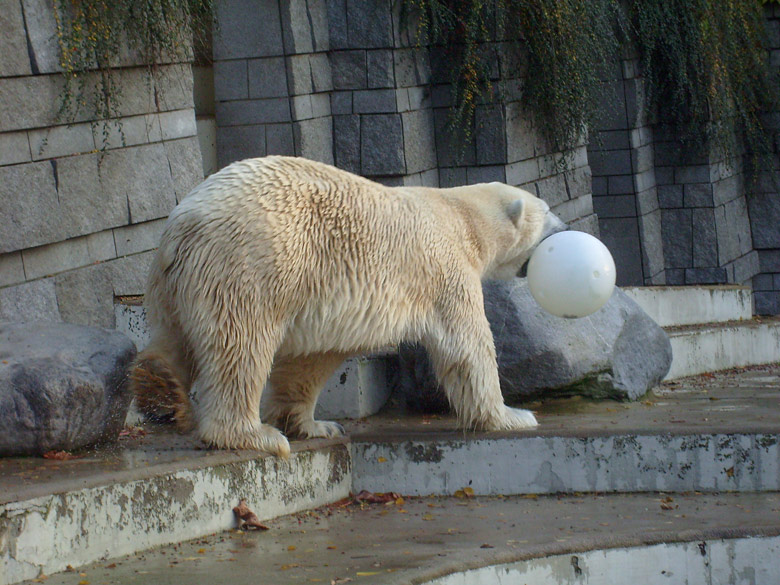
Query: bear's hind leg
[
  {"x": 463, "y": 353},
  {"x": 227, "y": 390},
  {"x": 296, "y": 382}
]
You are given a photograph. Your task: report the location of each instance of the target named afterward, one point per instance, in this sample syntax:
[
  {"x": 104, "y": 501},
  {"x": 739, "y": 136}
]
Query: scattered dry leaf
[
  {"x": 247, "y": 518},
  {"x": 730, "y": 471},
  {"x": 60, "y": 455},
  {"x": 381, "y": 459},
  {"x": 291, "y": 547},
  {"x": 340, "y": 580},
  {"x": 377, "y": 498},
  {"x": 466, "y": 492},
  {"x": 130, "y": 432}
]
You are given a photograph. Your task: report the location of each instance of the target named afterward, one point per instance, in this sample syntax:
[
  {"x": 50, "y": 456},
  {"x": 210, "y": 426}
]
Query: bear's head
[{"x": 520, "y": 222}]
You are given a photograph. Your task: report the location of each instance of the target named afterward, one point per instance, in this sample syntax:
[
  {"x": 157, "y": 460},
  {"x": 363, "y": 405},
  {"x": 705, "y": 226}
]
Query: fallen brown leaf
[
  {"x": 60, "y": 455},
  {"x": 247, "y": 518},
  {"x": 377, "y": 498}
]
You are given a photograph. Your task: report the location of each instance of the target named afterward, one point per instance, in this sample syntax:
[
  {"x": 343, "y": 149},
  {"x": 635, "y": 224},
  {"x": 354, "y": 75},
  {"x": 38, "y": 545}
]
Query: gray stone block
[
  {"x": 670, "y": 196},
  {"x": 769, "y": 260},
  {"x": 239, "y": 142},
  {"x": 645, "y": 181},
  {"x": 231, "y": 80},
  {"x": 692, "y": 174},
  {"x": 279, "y": 139},
  {"x": 678, "y": 237},
  {"x": 128, "y": 131},
  {"x": 139, "y": 237},
  {"x": 728, "y": 189},
  {"x": 244, "y": 113},
  {"x": 486, "y": 174},
  {"x": 348, "y": 69},
  {"x": 314, "y": 139},
  {"x": 240, "y": 24},
  {"x": 412, "y": 67},
  {"x": 31, "y": 301},
  {"x": 338, "y": 35},
  {"x": 620, "y": 184},
  {"x": 14, "y": 148},
  {"x": 186, "y": 164},
  {"x": 299, "y": 74},
  {"x": 744, "y": 268},
  {"x": 763, "y": 282},
  {"x": 57, "y": 141},
  {"x": 647, "y": 201},
  {"x": 419, "y": 140},
  {"x": 374, "y": 101},
  {"x": 379, "y": 68},
  {"x": 599, "y": 186},
  {"x": 370, "y": 24},
  {"x": 452, "y": 177},
  {"x": 697, "y": 195},
  {"x": 29, "y": 102},
  {"x": 616, "y": 162},
  {"x": 733, "y": 226},
  {"x": 615, "y": 206},
  {"x": 635, "y": 100},
  {"x": 382, "y": 145},
  {"x": 767, "y": 303},
  {"x": 55, "y": 258},
  {"x": 14, "y": 58},
  {"x": 346, "y": 142},
  {"x": 127, "y": 275},
  {"x": 141, "y": 176},
  {"x": 11, "y": 269},
  {"x": 612, "y": 114},
  {"x": 610, "y": 140},
  {"x": 522, "y": 172},
  {"x": 86, "y": 297},
  {"x": 621, "y": 236},
  {"x": 705, "y": 276},
  {"x": 573, "y": 209},
  {"x": 705, "y": 240},
  {"x": 267, "y": 77},
  {"x": 588, "y": 224},
  {"x": 652, "y": 246},
  {"x": 553, "y": 190},
  {"x": 173, "y": 88},
  {"x": 101, "y": 246},
  {"x": 341, "y": 102},
  {"x": 451, "y": 151},
  {"x": 642, "y": 159},
  {"x": 33, "y": 219},
  {"x": 490, "y": 130},
  {"x": 178, "y": 124},
  {"x": 304, "y": 25},
  {"x": 765, "y": 220},
  {"x": 664, "y": 175}
]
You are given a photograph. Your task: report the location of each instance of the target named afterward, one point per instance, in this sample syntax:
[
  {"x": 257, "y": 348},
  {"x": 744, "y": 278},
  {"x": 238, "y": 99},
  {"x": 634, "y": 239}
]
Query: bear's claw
[{"x": 320, "y": 429}]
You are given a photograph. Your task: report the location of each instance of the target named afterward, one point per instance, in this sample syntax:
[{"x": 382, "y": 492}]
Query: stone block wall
[
  {"x": 80, "y": 214},
  {"x": 764, "y": 201},
  {"x": 345, "y": 82},
  {"x": 625, "y": 196}
]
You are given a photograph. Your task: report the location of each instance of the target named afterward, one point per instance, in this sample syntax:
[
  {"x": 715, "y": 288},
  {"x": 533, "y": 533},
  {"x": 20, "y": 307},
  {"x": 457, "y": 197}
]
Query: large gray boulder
[
  {"x": 618, "y": 352},
  {"x": 62, "y": 387}
]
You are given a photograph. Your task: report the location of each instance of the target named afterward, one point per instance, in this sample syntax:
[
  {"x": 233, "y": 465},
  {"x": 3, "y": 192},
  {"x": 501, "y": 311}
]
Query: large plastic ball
[{"x": 571, "y": 274}]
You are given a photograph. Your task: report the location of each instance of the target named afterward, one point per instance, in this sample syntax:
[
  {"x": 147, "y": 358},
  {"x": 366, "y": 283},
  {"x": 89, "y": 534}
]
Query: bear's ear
[{"x": 515, "y": 211}]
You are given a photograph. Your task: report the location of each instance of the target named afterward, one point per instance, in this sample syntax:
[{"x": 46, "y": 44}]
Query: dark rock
[
  {"x": 619, "y": 352},
  {"x": 62, "y": 386}
]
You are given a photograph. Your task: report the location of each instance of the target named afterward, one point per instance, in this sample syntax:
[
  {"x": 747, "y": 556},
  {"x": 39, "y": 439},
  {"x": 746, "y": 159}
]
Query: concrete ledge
[
  {"x": 689, "y": 305},
  {"x": 710, "y": 348},
  {"x": 150, "y": 507},
  {"x": 558, "y": 464}
]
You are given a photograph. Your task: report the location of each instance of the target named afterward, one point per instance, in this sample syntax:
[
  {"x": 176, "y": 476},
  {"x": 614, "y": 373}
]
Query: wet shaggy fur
[{"x": 281, "y": 267}]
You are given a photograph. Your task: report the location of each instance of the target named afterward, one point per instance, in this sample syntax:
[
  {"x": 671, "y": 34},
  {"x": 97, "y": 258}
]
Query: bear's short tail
[{"x": 159, "y": 394}]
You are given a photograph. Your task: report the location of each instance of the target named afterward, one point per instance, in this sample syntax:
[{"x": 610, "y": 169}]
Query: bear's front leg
[
  {"x": 296, "y": 383},
  {"x": 463, "y": 354}
]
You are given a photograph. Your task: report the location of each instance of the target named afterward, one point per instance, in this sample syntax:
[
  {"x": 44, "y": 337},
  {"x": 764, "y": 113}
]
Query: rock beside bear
[
  {"x": 62, "y": 387},
  {"x": 281, "y": 267},
  {"x": 618, "y": 352}
]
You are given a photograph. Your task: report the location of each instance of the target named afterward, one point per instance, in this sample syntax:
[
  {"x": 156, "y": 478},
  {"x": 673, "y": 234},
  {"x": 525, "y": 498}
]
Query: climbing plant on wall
[
  {"x": 98, "y": 37},
  {"x": 704, "y": 61}
]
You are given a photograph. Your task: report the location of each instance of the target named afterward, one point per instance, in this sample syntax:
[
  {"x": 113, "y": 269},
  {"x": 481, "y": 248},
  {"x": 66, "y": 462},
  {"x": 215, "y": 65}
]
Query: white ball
[{"x": 571, "y": 274}]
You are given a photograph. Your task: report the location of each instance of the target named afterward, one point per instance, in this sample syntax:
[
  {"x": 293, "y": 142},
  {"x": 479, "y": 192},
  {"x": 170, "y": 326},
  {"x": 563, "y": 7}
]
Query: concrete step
[
  {"x": 649, "y": 539},
  {"x": 358, "y": 388},
  {"x": 672, "y": 306},
  {"x": 708, "y": 434},
  {"x": 698, "y": 349}
]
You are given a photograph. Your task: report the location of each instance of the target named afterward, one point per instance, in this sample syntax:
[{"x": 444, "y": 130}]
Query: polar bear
[{"x": 283, "y": 267}]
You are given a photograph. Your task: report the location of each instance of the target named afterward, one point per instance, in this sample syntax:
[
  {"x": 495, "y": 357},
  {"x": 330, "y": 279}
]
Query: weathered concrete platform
[
  {"x": 427, "y": 538},
  {"x": 712, "y": 433}
]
